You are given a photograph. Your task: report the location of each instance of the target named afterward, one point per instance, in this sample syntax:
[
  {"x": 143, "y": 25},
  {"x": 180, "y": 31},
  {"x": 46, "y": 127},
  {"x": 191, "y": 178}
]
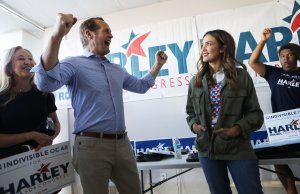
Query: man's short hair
[
  {"x": 295, "y": 48},
  {"x": 91, "y": 25}
]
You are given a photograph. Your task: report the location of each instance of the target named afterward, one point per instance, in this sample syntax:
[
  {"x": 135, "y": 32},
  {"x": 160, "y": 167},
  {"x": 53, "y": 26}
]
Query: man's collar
[{"x": 87, "y": 53}]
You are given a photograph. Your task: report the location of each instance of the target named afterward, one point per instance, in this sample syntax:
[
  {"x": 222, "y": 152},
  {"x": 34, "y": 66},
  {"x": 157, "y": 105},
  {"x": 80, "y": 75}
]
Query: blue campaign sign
[
  {"x": 188, "y": 143},
  {"x": 257, "y": 137},
  {"x": 163, "y": 144},
  {"x": 157, "y": 144}
]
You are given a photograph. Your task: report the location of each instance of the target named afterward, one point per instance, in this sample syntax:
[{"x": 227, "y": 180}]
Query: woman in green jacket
[{"x": 223, "y": 110}]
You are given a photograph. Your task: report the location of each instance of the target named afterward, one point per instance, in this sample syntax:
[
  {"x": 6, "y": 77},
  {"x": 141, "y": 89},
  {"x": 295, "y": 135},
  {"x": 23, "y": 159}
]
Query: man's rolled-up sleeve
[{"x": 47, "y": 81}]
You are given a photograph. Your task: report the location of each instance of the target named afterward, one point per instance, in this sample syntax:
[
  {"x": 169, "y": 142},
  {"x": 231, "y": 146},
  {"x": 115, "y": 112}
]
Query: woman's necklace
[{"x": 23, "y": 89}]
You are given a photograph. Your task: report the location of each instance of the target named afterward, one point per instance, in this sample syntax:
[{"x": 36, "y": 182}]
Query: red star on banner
[
  {"x": 294, "y": 18},
  {"x": 295, "y": 23},
  {"x": 44, "y": 168},
  {"x": 135, "y": 46}
]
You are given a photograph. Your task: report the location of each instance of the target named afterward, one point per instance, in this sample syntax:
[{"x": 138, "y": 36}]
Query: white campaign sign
[
  {"x": 44, "y": 171},
  {"x": 283, "y": 126}
]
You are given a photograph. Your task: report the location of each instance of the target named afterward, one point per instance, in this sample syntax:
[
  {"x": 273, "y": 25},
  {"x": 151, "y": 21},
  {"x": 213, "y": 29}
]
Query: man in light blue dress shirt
[{"x": 102, "y": 150}]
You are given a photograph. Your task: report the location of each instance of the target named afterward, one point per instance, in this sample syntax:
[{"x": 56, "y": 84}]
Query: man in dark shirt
[{"x": 285, "y": 88}]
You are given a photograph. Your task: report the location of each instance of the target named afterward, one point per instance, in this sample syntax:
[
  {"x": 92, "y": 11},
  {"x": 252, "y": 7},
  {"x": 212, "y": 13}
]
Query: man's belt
[{"x": 103, "y": 135}]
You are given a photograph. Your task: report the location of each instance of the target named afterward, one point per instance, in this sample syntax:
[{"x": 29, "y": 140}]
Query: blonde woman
[{"x": 23, "y": 109}]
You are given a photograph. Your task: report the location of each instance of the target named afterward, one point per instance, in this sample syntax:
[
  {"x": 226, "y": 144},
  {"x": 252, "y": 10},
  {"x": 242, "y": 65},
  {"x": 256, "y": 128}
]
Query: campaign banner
[
  {"x": 37, "y": 172},
  {"x": 283, "y": 126},
  {"x": 134, "y": 48}
]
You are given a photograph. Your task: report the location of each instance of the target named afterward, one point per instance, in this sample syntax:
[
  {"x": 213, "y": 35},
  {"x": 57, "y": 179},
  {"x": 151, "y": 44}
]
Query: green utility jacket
[{"x": 238, "y": 107}]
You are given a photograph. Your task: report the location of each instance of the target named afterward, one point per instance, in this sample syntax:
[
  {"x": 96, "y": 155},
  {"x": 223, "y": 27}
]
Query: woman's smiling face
[
  {"x": 22, "y": 63},
  {"x": 210, "y": 51}
]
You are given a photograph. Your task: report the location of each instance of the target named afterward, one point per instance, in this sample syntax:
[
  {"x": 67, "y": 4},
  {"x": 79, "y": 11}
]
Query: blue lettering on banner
[
  {"x": 64, "y": 95},
  {"x": 282, "y": 129},
  {"x": 180, "y": 55},
  {"x": 272, "y": 44}
]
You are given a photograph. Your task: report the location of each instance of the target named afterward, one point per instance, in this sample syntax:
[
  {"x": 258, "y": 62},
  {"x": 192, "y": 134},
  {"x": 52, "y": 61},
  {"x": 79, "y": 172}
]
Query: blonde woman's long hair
[{"x": 7, "y": 77}]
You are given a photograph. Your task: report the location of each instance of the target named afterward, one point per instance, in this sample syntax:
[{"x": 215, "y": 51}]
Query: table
[
  {"x": 279, "y": 161},
  {"x": 169, "y": 163},
  {"x": 172, "y": 163}
]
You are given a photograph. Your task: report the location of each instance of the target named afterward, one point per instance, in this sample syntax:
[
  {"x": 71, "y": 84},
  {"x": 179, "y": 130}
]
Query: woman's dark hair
[{"x": 228, "y": 60}]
